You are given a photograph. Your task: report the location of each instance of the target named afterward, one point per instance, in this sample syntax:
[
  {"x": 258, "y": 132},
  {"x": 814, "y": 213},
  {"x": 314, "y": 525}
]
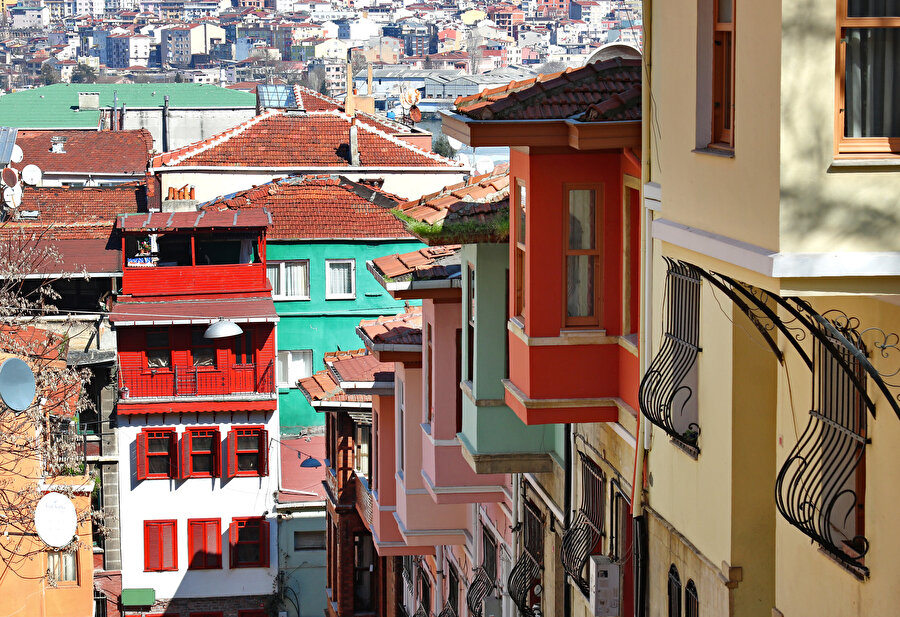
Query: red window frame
[
  {"x": 167, "y": 348},
  {"x": 144, "y": 454},
  {"x": 204, "y": 543},
  {"x": 188, "y": 452},
  {"x": 262, "y": 451},
  {"x": 234, "y": 541},
  {"x": 157, "y": 534}
]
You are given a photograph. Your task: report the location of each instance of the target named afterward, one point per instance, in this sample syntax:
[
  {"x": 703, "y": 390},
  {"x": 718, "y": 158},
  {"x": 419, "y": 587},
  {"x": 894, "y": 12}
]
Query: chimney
[
  {"x": 349, "y": 103},
  {"x": 354, "y": 143},
  {"x": 88, "y": 101},
  {"x": 369, "y": 77}
]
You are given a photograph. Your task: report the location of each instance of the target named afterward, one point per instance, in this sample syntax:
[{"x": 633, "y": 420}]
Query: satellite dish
[
  {"x": 10, "y": 176},
  {"x": 12, "y": 195},
  {"x": 17, "y": 385},
  {"x": 415, "y": 114},
  {"x": 55, "y": 520},
  {"x": 17, "y": 154},
  {"x": 454, "y": 143},
  {"x": 32, "y": 174}
]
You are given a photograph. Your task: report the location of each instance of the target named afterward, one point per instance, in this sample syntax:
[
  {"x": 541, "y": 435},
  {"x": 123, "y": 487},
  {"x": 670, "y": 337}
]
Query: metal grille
[
  {"x": 664, "y": 395},
  {"x": 420, "y": 612},
  {"x": 674, "y": 592},
  {"x": 483, "y": 582},
  {"x": 181, "y": 381},
  {"x": 691, "y": 602},
  {"x": 447, "y": 612},
  {"x": 581, "y": 538},
  {"x": 817, "y": 489},
  {"x": 526, "y": 574}
]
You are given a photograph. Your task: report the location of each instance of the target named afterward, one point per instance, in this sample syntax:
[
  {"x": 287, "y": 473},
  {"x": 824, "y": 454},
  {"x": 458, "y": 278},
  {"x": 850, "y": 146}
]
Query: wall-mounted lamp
[
  {"x": 222, "y": 328},
  {"x": 309, "y": 461}
]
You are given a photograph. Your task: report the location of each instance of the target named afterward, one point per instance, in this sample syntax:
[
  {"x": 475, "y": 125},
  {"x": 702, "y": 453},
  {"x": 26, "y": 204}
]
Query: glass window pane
[
  {"x": 201, "y": 444},
  {"x": 301, "y": 365},
  {"x": 582, "y": 219},
  {"x": 340, "y": 278},
  {"x": 158, "y": 444},
  {"x": 273, "y": 273},
  {"x": 580, "y": 280},
  {"x": 873, "y": 8},
  {"x": 158, "y": 465},
  {"x": 248, "y": 442},
  {"x": 201, "y": 462},
  {"x": 248, "y": 553},
  {"x": 248, "y": 462},
  {"x": 297, "y": 279},
  {"x": 724, "y": 11},
  {"x": 283, "y": 358},
  {"x": 520, "y": 236},
  {"x": 204, "y": 356},
  {"x": 158, "y": 338},
  {"x": 157, "y": 358},
  {"x": 69, "y": 567},
  {"x": 872, "y": 82},
  {"x": 249, "y": 533}
]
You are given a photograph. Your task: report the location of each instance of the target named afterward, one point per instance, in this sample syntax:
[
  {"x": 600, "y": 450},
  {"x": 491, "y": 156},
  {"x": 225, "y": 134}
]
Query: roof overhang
[
  {"x": 379, "y": 388},
  {"x": 542, "y": 133},
  {"x": 193, "y": 312},
  {"x": 432, "y": 289},
  {"x": 408, "y": 355}
]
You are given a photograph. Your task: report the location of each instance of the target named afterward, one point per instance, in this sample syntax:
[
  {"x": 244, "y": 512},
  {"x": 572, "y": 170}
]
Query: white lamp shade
[{"x": 223, "y": 328}]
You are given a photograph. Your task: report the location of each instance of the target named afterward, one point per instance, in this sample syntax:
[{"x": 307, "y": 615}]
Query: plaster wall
[
  {"x": 304, "y": 570},
  {"x": 180, "y": 500},
  {"x": 185, "y": 126}
]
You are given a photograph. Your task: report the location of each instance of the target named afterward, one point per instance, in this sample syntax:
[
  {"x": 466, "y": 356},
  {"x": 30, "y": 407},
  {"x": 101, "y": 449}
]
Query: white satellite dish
[
  {"x": 32, "y": 174},
  {"x": 484, "y": 164},
  {"x": 12, "y": 195},
  {"x": 55, "y": 520},
  {"x": 17, "y": 385},
  {"x": 17, "y": 154},
  {"x": 454, "y": 143}
]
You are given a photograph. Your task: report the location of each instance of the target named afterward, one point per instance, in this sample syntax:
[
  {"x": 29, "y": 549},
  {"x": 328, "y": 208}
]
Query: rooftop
[
  {"x": 102, "y": 152},
  {"x": 302, "y": 484},
  {"x": 254, "y": 218},
  {"x": 404, "y": 329},
  {"x": 427, "y": 264}
]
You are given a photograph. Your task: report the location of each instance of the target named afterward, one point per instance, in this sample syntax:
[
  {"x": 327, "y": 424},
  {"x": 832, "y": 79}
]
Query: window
[
  {"x": 584, "y": 536},
  {"x": 340, "y": 279},
  {"x": 248, "y": 450},
  {"x": 202, "y": 351},
  {"x": 424, "y": 591},
  {"x": 400, "y": 428},
  {"x": 157, "y": 348},
  {"x": 363, "y": 578},
  {"x": 200, "y": 453},
  {"x": 243, "y": 348},
  {"x": 204, "y": 544},
  {"x": 453, "y": 590},
  {"x": 691, "y": 601},
  {"x": 157, "y": 454},
  {"x": 519, "y": 264},
  {"x": 674, "y": 592},
  {"x": 249, "y": 540},
  {"x": 429, "y": 373},
  {"x": 362, "y": 447},
  {"x": 289, "y": 279},
  {"x": 869, "y": 77},
  {"x": 293, "y": 366},
  {"x": 470, "y": 325},
  {"x": 160, "y": 546},
  {"x": 582, "y": 257},
  {"x": 723, "y": 73},
  {"x": 309, "y": 540},
  {"x": 62, "y": 567},
  {"x": 619, "y": 523}
]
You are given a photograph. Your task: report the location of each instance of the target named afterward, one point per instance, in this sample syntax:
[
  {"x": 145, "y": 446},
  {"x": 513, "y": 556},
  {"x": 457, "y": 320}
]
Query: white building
[{"x": 123, "y": 50}]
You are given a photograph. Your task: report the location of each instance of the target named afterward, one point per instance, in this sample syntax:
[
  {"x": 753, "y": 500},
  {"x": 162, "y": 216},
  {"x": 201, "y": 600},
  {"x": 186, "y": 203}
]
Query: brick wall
[{"x": 229, "y": 606}]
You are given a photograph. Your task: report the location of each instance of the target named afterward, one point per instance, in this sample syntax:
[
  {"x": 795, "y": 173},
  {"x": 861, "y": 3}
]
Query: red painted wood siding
[{"x": 194, "y": 280}]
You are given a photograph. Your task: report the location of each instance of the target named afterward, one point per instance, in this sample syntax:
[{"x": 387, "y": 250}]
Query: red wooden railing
[{"x": 188, "y": 381}]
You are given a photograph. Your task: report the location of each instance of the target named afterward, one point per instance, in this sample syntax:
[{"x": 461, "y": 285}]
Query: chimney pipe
[
  {"x": 354, "y": 143},
  {"x": 349, "y": 102},
  {"x": 369, "y": 77}
]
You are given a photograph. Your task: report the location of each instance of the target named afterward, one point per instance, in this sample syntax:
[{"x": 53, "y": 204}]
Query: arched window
[
  {"x": 674, "y": 592},
  {"x": 691, "y": 602}
]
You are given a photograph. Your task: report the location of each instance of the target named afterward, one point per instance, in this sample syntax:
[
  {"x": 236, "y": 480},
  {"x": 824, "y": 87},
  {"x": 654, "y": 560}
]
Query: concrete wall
[
  {"x": 185, "y": 126},
  {"x": 303, "y": 570}
]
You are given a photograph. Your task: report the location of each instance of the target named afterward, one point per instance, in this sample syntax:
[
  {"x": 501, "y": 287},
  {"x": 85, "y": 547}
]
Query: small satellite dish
[
  {"x": 32, "y": 174},
  {"x": 17, "y": 385},
  {"x": 454, "y": 143},
  {"x": 12, "y": 195},
  {"x": 415, "y": 114},
  {"x": 10, "y": 176},
  {"x": 55, "y": 520},
  {"x": 17, "y": 154}
]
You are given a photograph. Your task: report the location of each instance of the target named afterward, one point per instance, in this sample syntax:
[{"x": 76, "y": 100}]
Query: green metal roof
[{"x": 56, "y": 106}]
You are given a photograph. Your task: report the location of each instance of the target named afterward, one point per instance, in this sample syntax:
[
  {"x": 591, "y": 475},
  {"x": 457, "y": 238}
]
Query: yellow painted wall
[
  {"x": 808, "y": 581},
  {"x": 735, "y": 197}
]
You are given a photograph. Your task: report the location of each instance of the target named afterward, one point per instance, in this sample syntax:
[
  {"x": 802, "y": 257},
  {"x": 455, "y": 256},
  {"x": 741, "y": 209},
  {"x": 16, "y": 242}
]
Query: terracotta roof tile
[
  {"x": 362, "y": 368},
  {"x": 322, "y": 387},
  {"x": 563, "y": 95},
  {"x": 117, "y": 152},
  {"x": 402, "y": 329},
  {"x": 316, "y": 138},
  {"x": 311, "y": 207},
  {"x": 429, "y": 263}
]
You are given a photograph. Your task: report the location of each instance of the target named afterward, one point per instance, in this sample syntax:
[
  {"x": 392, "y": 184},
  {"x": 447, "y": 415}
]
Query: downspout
[
  {"x": 165, "y": 124},
  {"x": 439, "y": 576},
  {"x": 567, "y": 505},
  {"x": 115, "y": 109}
]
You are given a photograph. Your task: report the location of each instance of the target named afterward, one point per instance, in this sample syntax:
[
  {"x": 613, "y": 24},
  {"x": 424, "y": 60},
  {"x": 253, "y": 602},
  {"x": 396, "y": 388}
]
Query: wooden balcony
[{"x": 242, "y": 382}]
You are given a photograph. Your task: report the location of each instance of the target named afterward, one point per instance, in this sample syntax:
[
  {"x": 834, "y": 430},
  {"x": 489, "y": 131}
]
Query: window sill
[
  {"x": 725, "y": 153},
  {"x": 859, "y": 573},
  {"x": 290, "y": 298},
  {"x": 864, "y": 164},
  {"x": 353, "y": 297}
]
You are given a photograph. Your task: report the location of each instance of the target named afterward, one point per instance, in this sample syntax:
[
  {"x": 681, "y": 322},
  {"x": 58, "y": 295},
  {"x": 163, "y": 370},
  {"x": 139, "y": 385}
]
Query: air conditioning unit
[{"x": 605, "y": 587}]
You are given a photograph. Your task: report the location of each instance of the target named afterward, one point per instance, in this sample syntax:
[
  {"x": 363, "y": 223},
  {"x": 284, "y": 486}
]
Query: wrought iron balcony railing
[
  {"x": 582, "y": 536},
  {"x": 479, "y": 589},
  {"x": 364, "y": 499},
  {"x": 238, "y": 381},
  {"x": 448, "y": 612},
  {"x": 526, "y": 574}
]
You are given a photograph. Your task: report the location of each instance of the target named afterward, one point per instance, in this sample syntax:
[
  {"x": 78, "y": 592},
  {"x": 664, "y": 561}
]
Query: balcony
[{"x": 379, "y": 519}]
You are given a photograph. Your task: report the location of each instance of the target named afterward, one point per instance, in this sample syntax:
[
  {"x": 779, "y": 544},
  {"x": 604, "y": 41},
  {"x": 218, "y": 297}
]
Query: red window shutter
[
  {"x": 151, "y": 546},
  {"x": 185, "y": 455},
  {"x": 231, "y": 463},
  {"x": 173, "y": 454},
  {"x": 263, "y": 452},
  {"x": 213, "y": 545},
  {"x": 232, "y": 543},
  {"x": 217, "y": 455},
  {"x": 168, "y": 552},
  {"x": 195, "y": 544},
  {"x": 264, "y": 543},
  {"x": 141, "y": 456}
]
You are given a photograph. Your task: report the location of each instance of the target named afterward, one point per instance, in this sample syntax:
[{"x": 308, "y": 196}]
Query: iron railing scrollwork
[
  {"x": 582, "y": 536},
  {"x": 447, "y": 612},
  {"x": 664, "y": 394},
  {"x": 420, "y": 612},
  {"x": 526, "y": 574},
  {"x": 485, "y": 576}
]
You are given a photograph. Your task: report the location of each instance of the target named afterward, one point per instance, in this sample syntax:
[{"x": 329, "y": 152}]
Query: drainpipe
[
  {"x": 115, "y": 107},
  {"x": 567, "y": 506},
  {"x": 165, "y": 124},
  {"x": 439, "y": 576},
  {"x": 122, "y": 118}
]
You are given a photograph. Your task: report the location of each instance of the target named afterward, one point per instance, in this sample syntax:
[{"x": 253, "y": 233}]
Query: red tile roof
[
  {"x": 429, "y": 263},
  {"x": 563, "y": 95},
  {"x": 302, "y": 484},
  {"x": 84, "y": 212},
  {"x": 362, "y": 369},
  {"x": 108, "y": 152},
  {"x": 249, "y": 218},
  {"x": 291, "y": 140},
  {"x": 322, "y": 387},
  {"x": 311, "y": 207},
  {"x": 402, "y": 329},
  {"x": 482, "y": 202}
]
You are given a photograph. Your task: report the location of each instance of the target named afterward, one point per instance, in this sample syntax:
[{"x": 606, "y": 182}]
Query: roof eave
[{"x": 434, "y": 289}]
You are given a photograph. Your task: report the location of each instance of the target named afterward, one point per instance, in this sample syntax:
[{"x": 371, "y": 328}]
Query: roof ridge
[
  {"x": 199, "y": 147},
  {"x": 404, "y": 144}
]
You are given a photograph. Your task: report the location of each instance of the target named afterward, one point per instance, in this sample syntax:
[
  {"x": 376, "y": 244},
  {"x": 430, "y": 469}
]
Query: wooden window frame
[
  {"x": 520, "y": 250},
  {"x": 856, "y": 147},
  {"x": 234, "y": 541},
  {"x": 188, "y": 452},
  {"x": 262, "y": 451},
  {"x": 156, "y": 526},
  {"x": 57, "y": 576},
  {"x": 143, "y": 454},
  {"x": 148, "y": 348},
  {"x": 723, "y": 65},
  {"x": 592, "y": 321},
  {"x": 193, "y": 540}
]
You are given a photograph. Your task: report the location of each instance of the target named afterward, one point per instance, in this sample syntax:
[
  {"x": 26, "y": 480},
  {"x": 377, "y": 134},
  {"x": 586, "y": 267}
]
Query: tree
[
  {"x": 83, "y": 74},
  {"x": 38, "y": 445},
  {"x": 48, "y": 74},
  {"x": 179, "y": 78},
  {"x": 441, "y": 145}
]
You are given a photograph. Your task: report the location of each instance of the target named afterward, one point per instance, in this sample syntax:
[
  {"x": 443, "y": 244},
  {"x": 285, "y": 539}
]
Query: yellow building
[{"x": 771, "y": 285}]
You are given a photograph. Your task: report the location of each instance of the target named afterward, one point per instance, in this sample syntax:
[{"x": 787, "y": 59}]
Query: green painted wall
[
  {"x": 327, "y": 325},
  {"x": 495, "y": 429}
]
